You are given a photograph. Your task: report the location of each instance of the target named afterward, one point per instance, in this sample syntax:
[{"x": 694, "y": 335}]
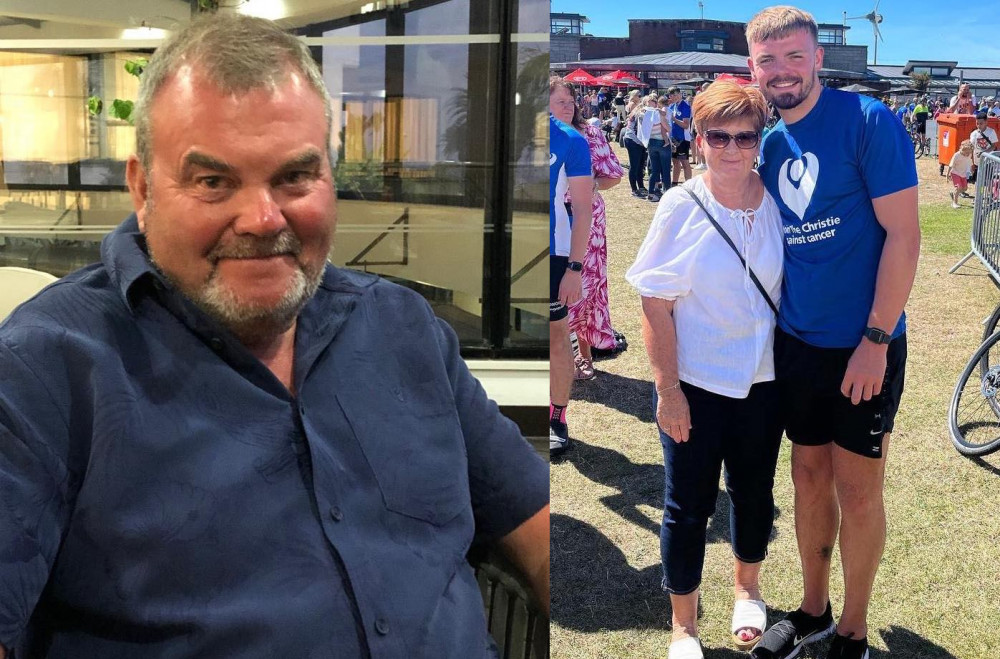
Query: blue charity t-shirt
[
  {"x": 569, "y": 155},
  {"x": 823, "y": 171},
  {"x": 679, "y": 110}
]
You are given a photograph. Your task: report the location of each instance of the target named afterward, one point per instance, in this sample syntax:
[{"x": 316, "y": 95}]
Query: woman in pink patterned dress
[{"x": 590, "y": 318}]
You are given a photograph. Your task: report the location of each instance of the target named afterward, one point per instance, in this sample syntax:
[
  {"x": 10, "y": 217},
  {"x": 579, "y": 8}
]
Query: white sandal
[
  {"x": 686, "y": 648},
  {"x": 748, "y": 614}
]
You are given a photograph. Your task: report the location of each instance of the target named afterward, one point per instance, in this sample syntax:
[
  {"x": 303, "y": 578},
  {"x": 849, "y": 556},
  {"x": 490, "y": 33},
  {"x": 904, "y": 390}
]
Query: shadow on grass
[
  {"x": 903, "y": 642},
  {"x": 593, "y": 586},
  {"x": 627, "y": 395},
  {"x": 984, "y": 464},
  {"x": 640, "y": 485}
]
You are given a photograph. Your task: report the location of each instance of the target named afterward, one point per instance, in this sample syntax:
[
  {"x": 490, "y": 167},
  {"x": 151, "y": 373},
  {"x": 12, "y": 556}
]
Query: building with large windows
[{"x": 438, "y": 129}]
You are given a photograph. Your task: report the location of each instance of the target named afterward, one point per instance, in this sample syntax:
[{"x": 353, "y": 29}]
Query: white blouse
[{"x": 724, "y": 326}]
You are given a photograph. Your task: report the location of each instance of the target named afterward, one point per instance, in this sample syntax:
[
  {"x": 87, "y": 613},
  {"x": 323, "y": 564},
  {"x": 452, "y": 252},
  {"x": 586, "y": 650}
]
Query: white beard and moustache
[{"x": 251, "y": 324}]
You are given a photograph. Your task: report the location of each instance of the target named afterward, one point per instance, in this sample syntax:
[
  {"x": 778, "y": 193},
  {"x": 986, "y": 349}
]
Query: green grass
[
  {"x": 945, "y": 230},
  {"x": 938, "y": 588}
]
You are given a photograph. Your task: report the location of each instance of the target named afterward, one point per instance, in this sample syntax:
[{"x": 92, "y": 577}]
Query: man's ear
[{"x": 138, "y": 188}]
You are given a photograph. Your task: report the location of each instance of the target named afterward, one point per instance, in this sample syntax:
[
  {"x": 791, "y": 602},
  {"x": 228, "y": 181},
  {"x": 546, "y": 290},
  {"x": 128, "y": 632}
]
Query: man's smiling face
[{"x": 787, "y": 68}]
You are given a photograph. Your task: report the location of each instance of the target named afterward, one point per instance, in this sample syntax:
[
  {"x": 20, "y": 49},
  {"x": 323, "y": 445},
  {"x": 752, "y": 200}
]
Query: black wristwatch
[
  {"x": 877, "y": 336},
  {"x": 574, "y": 266}
]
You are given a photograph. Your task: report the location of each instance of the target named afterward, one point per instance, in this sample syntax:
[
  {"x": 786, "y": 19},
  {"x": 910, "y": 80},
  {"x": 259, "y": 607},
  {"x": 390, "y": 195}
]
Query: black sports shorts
[
  {"x": 809, "y": 379},
  {"x": 683, "y": 149}
]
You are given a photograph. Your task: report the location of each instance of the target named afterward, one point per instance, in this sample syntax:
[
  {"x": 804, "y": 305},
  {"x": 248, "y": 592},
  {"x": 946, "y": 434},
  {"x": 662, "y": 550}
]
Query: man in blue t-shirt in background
[
  {"x": 841, "y": 169},
  {"x": 680, "y": 133},
  {"x": 569, "y": 171}
]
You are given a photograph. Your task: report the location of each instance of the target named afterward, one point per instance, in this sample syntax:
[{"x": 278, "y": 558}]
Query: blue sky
[{"x": 966, "y": 32}]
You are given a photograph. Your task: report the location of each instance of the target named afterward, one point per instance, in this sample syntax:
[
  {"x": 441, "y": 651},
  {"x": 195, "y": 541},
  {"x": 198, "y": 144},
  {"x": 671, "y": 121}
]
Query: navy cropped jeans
[
  {"x": 659, "y": 164},
  {"x": 743, "y": 435}
]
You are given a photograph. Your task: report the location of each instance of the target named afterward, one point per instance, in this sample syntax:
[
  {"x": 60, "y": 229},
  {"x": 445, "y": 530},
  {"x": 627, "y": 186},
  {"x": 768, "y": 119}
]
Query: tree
[{"x": 920, "y": 81}]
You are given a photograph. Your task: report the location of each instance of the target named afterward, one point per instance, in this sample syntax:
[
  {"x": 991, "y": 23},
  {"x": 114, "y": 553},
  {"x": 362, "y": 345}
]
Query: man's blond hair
[{"x": 778, "y": 22}]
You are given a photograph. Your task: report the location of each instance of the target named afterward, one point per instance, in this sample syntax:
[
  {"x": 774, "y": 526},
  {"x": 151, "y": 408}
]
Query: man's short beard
[
  {"x": 787, "y": 101},
  {"x": 252, "y": 324}
]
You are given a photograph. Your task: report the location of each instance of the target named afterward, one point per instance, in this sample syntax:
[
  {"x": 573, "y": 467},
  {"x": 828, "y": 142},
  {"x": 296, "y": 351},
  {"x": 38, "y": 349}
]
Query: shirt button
[
  {"x": 336, "y": 513},
  {"x": 382, "y": 626},
  {"x": 216, "y": 344}
]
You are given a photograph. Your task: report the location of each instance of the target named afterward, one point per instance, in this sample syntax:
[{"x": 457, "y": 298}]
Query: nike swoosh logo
[
  {"x": 797, "y": 640},
  {"x": 874, "y": 432}
]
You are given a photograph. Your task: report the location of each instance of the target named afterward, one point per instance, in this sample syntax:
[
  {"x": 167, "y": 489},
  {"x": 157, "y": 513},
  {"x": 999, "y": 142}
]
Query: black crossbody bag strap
[{"x": 729, "y": 241}]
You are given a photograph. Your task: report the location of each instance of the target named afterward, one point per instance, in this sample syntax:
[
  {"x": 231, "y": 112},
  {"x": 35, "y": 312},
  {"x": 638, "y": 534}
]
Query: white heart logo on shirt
[
  {"x": 552, "y": 159},
  {"x": 797, "y": 181}
]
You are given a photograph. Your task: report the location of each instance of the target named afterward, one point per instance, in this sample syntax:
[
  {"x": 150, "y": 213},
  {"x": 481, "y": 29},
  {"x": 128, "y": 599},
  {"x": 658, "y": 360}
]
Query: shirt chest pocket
[{"x": 413, "y": 442}]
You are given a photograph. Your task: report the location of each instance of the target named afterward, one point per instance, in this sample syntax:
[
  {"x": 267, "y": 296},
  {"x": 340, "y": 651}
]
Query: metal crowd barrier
[{"x": 986, "y": 217}]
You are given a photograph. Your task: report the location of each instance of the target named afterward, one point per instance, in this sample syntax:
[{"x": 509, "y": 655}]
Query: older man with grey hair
[{"x": 215, "y": 444}]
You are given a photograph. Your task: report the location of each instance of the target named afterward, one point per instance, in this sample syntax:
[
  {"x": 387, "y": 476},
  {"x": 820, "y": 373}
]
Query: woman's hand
[{"x": 673, "y": 415}]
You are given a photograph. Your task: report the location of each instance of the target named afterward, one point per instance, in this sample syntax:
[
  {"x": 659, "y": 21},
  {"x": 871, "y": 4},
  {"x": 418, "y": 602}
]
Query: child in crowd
[{"x": 959, "y": 170}]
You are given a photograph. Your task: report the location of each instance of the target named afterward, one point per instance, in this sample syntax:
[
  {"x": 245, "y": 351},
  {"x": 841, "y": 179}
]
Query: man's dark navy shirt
[{"x": 162, "y": 494}]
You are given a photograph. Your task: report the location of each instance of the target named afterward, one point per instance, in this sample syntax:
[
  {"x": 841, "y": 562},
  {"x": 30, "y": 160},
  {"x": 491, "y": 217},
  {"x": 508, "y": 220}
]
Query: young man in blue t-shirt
[
  {"x": 680, "y": 133},
  {"x": 840, "y": 167},
  {"x": 569, "y": 171}
]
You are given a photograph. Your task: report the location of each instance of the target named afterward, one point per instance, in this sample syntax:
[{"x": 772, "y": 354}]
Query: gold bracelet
[{"x": 676, "y": 385}]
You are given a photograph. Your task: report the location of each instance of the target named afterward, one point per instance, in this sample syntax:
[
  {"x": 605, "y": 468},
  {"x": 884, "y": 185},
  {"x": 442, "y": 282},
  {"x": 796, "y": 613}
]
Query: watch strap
[
  {"x": 875, "y": 335},
  {"x": 574, "y": 266}
]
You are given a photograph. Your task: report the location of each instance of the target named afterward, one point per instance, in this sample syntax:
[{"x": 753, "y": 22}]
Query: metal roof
[
  {"x": 694, "y": 62},
  {"x": 678, "y": 59},
  {"x": 970, "y": 74}
]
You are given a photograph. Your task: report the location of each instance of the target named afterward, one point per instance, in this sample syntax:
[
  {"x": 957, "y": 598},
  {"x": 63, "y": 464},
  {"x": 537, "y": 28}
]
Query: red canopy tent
[
  {"x": 581, "y": 77},
  {"x": 620, "y": 78}
]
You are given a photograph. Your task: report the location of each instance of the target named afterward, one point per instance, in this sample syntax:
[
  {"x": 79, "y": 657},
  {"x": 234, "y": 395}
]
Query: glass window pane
[
  {"x": 528, "y": 325},
  {"x": 413, "y": 167}
]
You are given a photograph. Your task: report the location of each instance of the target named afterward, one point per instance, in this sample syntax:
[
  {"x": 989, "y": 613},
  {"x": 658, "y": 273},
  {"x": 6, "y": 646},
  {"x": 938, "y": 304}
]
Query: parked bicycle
[{"x": 974, "y": 413}]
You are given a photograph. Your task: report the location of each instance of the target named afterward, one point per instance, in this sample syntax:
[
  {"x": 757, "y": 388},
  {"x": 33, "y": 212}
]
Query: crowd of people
[{"x": 742, "y": 345}]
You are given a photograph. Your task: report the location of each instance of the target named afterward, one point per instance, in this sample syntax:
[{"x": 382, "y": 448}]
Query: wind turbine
[{"x": 874, "y": 18}]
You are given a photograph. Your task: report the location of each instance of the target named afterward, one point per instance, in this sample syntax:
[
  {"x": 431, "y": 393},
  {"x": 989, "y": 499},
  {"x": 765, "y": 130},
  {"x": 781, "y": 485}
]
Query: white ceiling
[{"x": 96, "y": 19}]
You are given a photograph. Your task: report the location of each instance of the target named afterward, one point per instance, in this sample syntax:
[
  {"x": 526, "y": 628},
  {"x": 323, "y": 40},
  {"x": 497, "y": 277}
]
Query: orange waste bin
[{"x": 953, "y": 129}]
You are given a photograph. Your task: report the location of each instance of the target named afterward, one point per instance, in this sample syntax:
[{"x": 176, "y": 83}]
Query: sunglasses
[{"x": 719, "y": 139}]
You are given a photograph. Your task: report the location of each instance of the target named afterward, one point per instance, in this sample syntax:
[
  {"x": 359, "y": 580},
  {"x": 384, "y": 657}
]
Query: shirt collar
[{"x": 123, "y": 252}]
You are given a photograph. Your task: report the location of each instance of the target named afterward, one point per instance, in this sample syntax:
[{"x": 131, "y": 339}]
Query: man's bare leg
[
  {"x": 560, "y": 362},
  {"x": 816, "y": 521},
  {"x": 859, "y": 482}
]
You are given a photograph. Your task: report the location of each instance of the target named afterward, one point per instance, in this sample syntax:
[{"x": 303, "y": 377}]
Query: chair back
[{"x": 18, "y": 285}]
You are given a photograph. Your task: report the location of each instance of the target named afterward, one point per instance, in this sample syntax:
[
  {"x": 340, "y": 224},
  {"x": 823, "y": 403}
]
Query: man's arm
[
  {"x": 527, "y": 547},
  {"x": 897, "y": 213},
  {"x": 581, "y": 194}
]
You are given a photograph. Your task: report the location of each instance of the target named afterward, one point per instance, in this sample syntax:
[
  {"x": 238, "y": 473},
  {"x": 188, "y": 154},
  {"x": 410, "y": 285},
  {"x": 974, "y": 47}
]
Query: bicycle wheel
[
  {"x": 918, "y": 148},
  {"x": 974, "y": 414},
  {"x": 991, "y": 323}
]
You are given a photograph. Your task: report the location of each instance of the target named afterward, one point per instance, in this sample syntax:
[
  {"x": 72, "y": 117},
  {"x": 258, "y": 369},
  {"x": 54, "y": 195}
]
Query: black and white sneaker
[
  {"x": 558, "y": 438},
  {"x": 786, "y": 638},
  {"x": 848, "y": 648}
]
